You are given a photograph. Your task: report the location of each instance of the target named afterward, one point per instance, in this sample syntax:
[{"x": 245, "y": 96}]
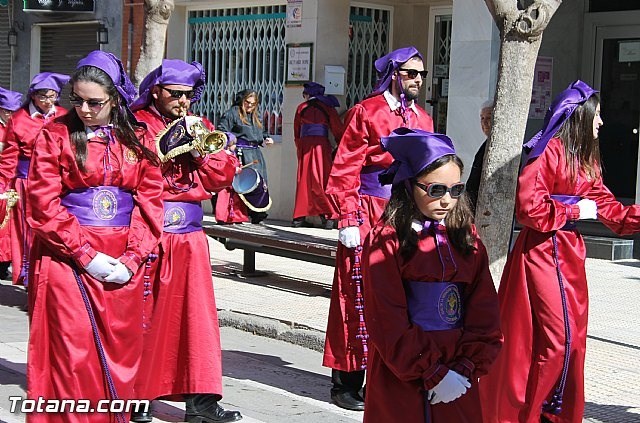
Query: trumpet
[{"x": 188, "y": 133}]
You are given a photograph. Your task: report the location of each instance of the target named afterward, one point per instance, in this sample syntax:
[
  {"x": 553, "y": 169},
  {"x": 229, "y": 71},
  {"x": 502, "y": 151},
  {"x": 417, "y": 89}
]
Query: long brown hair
[
  {"x": 239, "y": 101},
  {"x": 401, "y": 210},
  {"x": 581, "y": 149},
  {"x": 123, "y": 124}
]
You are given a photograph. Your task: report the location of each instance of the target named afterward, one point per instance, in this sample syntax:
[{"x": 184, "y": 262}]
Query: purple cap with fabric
[
  {"x": 10, "y": 100},
  {"x": 172, "y": 72},
  {"x": 48, "y": 81},
  {"x": 412, "y": 150},
  {"x": 386, "y": 65},
  {"x": 313, "y": 89},
  {"x": 560, "y": 110},
  {"x": 112, "y": 66}
]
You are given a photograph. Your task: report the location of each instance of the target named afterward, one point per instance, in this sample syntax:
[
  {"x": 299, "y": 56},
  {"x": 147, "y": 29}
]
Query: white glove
[
  {"x": 588, "y": 209},
  {"x": 101, "y": 266},
  {"x": 452, "y": 386},
  {"x": 121, "y": 274},
  {"x": 195, "y": 153},
  {"x": 349, "y": 236}
]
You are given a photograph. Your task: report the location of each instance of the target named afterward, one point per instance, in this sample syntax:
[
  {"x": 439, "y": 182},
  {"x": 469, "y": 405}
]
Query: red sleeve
[
  {"x": 147, "y": 222},
  {"x": 481, "y": 340},
  {"x": 9, "y": 157},
  {"x": 297, "y": 122},
  {"x": 216, "y": 171},
  {"x": 335, "y": 124},
  {"x": 406, "y": 349},
  {"x": 621, "y": 219},
  {"x": 534, "y": 206}
]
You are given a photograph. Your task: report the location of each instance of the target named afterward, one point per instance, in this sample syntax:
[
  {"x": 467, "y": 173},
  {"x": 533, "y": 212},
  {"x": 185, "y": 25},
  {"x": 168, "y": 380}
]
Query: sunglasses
[
  {"x": 413, "y": 73},
  {"x": 179, "y": 93},
  {"x": 440, "y": 190},
  {"x": 94, "y": 105}
]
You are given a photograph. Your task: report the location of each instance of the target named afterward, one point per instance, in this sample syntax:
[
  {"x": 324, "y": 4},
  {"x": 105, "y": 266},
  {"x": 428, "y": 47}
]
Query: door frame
[
  {"x": 600, "y": 26},
  {"x": 433, "y": 12}
]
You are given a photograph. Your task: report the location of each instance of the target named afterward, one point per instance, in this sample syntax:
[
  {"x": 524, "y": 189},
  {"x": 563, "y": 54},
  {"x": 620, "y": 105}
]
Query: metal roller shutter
[
  {"x": 5, "y": 50},
  {"x": 61, "y": 46}
]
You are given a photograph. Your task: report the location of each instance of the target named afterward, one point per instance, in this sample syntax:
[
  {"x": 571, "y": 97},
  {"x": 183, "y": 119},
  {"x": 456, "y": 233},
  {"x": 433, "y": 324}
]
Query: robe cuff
[
  {"x": 131, "y": 261},
  {"x": 464, "y": 366},
  {"x": 200, "y": 161},
  {"x": 434, "y": 375},
  {"x": 84, "y": 255},
  {"x": 347, "y": 219},
  {"x": 572, "y": 211}
]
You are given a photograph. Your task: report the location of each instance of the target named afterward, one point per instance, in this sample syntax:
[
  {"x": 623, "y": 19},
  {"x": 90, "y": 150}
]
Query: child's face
[{"x": 437, "y": 208}]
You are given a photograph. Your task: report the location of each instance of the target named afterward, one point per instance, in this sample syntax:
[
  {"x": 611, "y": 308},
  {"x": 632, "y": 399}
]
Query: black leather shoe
[
  {"x": 205, "y": 409},
  {"x": 348, "y": 400},
  {"x": 141, "y": 416}
]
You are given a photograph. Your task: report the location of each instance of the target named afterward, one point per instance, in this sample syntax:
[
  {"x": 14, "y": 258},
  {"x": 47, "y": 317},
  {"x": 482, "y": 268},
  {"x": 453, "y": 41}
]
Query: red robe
[
  {"x": 22, "y": 130},
  {"x": 314, "y": 158},
  {"x": 529, "y": 367},
  {"x": 182, "y": 352},
  {"x": 63, "y": 360},
  {"x": 359, "y": 146},
  {"x": 5, "y": 233},
  {"x": 405, "y": 360}
]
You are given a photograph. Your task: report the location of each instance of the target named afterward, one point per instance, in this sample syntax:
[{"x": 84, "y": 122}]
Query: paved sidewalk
[{"x": 292, "y": 301}]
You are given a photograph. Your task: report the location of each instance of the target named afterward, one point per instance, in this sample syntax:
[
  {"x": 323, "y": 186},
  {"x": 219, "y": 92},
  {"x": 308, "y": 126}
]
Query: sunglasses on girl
[
  {"x": 440, "y": 190},
  {"x": 413, "y": 73},
  {"x": 94, "y": 105},
  {"x": 179, "y": 93}
]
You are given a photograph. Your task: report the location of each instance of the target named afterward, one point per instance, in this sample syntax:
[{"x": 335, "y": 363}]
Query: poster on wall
[
  {"x": 542, "y": 86},
  {"x": 298, "y": 63},
  {"x": 59, "y": 5},
  {"x": 294, "y": 13}
]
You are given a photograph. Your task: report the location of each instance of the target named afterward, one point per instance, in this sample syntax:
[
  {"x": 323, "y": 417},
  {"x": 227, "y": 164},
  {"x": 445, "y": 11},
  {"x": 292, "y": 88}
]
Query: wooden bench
[{"x": 272, "y": 240}]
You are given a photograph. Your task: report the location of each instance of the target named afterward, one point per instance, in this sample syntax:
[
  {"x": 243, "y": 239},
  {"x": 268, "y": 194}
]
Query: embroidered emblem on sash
[
  {"x": 175, "y": 216},
  {"x": 105, "y": 205},
  {"x": 449, "y": 304}
]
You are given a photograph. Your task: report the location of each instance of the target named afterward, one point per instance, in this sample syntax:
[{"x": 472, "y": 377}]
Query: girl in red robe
[
  {"x": 539, "y": 375},
  {"x": 431, "y": 306},
  {"x": 95, "y": 205}
]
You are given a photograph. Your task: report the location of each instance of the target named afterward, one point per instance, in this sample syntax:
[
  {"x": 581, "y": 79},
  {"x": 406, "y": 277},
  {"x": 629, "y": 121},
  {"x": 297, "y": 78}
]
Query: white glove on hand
[
  {"x": 121, "y": 274},
  {"x": 588, "y": 209},
  {"x": 452, "y": 386},
  {"x": 349, "y": 236},
  {"x": 195, "y": 153},
  {"x": 101, "y": 266}
]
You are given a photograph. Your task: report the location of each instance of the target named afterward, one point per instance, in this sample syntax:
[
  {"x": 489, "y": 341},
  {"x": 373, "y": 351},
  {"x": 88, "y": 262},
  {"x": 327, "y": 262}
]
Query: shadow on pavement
[
  {"x": 13, "y": 374},
  {"x": 255, "y": 370},
  {"x": 610, "y": 413},
  {"x": 13, "y": 296}
]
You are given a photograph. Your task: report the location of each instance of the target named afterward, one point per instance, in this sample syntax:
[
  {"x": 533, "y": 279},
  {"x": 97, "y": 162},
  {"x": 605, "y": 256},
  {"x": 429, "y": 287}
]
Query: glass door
[{"x": 437, "y": 86}]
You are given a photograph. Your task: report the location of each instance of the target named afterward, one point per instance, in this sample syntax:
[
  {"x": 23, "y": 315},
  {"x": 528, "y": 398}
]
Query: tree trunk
[
  {"x": 521, "y": 35},
  {"x": 156, "y": 19}
]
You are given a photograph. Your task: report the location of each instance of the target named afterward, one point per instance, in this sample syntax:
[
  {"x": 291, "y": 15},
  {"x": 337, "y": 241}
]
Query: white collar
[
  {"x": 394, "y": 103},
  {"x": 33, "y": 111},
  {"x": 417, "y": 225}
]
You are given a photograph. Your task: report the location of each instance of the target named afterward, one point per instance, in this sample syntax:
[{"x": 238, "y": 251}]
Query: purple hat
[
  {"x": 172, "y": 72},
  {"x": 48, "y": 81},
  {"x": 386, "y": 65},
  {"x": 10, "y": 100},
  {"x": 560, "y": 110},
  {"x": 313, "y": 89},
  {"x": 412, "y": 150},
  {"x": 112, "y": 66}
]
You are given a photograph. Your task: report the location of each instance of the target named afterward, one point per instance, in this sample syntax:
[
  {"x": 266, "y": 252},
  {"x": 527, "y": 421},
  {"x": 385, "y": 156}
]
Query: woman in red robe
[
  {"x": 314, "y": 119},
  {"x": 22, "y": 129},
  {"x": 539, "y": 375},
  {"x": 431, "y": 306},
  {"x": 95, "y": 205},
  {"x": 10, "y": 101}
]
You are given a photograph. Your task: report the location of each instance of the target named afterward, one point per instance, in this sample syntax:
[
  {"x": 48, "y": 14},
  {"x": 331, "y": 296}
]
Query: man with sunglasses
[
  {"x": 182, "y": 358},
  {"x": 19, "y": 140},
  {"x": 355, "y": 191}
]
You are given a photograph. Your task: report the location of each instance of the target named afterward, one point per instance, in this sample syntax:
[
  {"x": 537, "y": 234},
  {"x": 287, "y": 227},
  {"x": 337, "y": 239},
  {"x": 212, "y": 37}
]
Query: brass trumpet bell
[{"x": 185, "y": 134}]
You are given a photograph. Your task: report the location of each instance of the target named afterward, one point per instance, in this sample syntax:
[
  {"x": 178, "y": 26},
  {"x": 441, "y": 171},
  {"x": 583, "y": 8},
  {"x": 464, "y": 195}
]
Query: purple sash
[
  {"x": 244, "y": 143},
  {"x": 314, "y": 130},
  {"x": 370, "y": 185},
  {"x": 182, "y": 217},
  {"x": 435, "y": 305},
  {"x": 100, "y": 206},
  {"x": 567, "y": 199},
  {"x": 22, "y": 171}
]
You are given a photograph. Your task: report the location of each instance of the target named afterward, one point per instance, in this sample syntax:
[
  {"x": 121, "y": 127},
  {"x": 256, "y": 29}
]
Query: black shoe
[
  {"x": 297, "y": 222},
  {"x": 348, "y": 400},
  {"x": 141, "y": 416},
  {"x": 204, "y": 408}
]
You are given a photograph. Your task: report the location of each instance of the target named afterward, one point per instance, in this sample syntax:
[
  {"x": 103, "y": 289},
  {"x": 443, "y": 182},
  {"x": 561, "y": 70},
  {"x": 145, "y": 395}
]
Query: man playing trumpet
[{"x": 184, "y": 321}]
